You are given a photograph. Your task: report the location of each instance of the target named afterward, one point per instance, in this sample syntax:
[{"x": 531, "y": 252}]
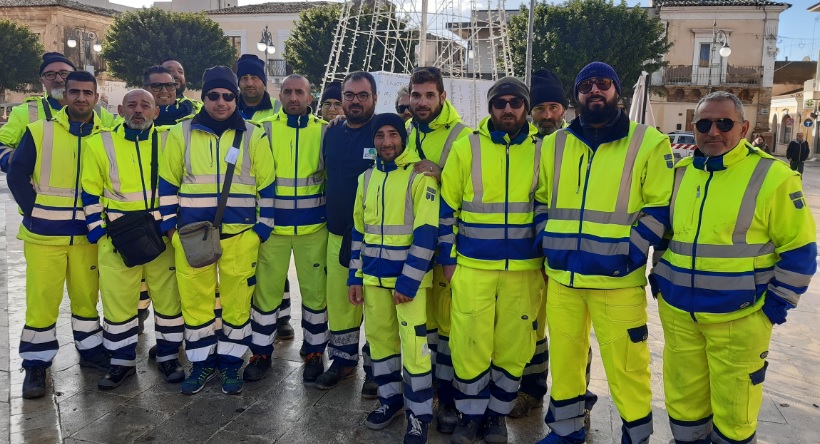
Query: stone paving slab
[{"x": 280, "y": 409}]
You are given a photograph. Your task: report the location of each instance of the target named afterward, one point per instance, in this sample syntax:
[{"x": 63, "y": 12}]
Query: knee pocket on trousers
[
  {"x": 748, "y": 396},
  {"x": 637, "y": 349}
]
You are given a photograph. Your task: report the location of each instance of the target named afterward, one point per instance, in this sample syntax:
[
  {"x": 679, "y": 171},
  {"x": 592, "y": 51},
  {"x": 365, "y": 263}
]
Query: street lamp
[
  {"x": 266, "y": 46},
  {"x": 719, "y": 36},
  {"x": 87, "y": 41}
]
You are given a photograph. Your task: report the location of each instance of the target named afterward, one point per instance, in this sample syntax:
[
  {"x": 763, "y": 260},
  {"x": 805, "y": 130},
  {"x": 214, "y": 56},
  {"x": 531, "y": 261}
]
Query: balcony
[
  {"x": 278, "y": 68},
  {"x": 688, "y": 75}
]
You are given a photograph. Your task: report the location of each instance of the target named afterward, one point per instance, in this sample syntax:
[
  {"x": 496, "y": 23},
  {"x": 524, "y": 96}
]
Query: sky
[{"x": 798, "y": 37}]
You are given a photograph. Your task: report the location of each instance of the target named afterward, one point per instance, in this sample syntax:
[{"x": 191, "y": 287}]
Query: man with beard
[
  {"x": 178, "y": 73},
  {"x": 348, "y": 152},
  {"x": 255, "y": 103},
  {"x": 331, "y": 102},
  {"x": 435, "y": 126},
  {"x": 548, "y": 110},
  {"x": 44, "y": 178},
  {"x": 53, "y": 72},
  {"x": 119, "y": 180},
  {"x": 299, "y": 207},
  {"x": 492, "y": 267},
  {"x": 603, "y": 192},
  {"x": 160, "y": 83}
]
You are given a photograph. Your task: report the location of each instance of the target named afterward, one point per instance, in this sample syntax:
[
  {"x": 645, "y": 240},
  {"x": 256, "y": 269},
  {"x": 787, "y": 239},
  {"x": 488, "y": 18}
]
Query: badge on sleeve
[
  {"x": 798, "y": 200},
  {"x": 369, "y": 154},
  {"x": 670, "y": 163}
]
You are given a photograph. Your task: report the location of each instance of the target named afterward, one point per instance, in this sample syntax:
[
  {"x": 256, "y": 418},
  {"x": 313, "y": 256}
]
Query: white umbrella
[{"x": 638, "y": 98}]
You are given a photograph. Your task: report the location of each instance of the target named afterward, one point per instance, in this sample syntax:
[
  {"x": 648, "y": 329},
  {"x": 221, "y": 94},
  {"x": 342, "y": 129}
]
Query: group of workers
[{"x": 462, "y": 250}]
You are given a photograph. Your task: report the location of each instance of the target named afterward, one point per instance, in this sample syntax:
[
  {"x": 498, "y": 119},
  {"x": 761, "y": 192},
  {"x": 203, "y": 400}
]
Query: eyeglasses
[
  {"x": 157, "y": 87},
  {"x": 362, "y": 96},
  {"x": 586, "y": 86},
  {"x": 51, "y": 75},
  {"x": 515, "y": 103},
  {"x": 724, "y": 125},
  {"x": 334, "y": 105},
  {"x": 213, "y": 96},
  {"x": 402, "y": 108}
]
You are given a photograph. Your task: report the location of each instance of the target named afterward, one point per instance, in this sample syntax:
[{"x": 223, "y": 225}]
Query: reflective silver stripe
[
  {"x": 640, "y": 433},
  {"x": 746, "y": 214},
  {"x": 537, "y": 170},
  {"x": 409, "y": 217},
  {"x": 33, "y": 114},
  {"x": 601, "y": 217},
  {"x": 390, "y": 230},
  {"x": 679, "y": 173},
  {"x": 784, "y": 293},
  {"x": 494, "y": 233},
  {"x": 473, "y": 388},
  {"x": 496, "y": 207},
  {"x": 448, "y": 143},
  {"x": 475, "y": 170},
  {"x": 653, "y": 224},
  {"x": 67, "y": 214},
  {"x": 245, "y": 174},
  {"x": 622, "y": 205},
  {"x": 739, "y": 251},
  {"x": 113, "y": 167},
  {"x": 691, "y": 433},
  {"x": 791, "y": 278},
  {"x": 587, "y": 245},
  {"x": 112, "y": 216},
  {"x": 321, "y": 170},
  {"x": 560, "y": 144},
  {"x": 367, "y": 174},
  {"x": 213, "y": 201},
  {"x": 713, "y": 282},
  {"x": 384, "y": 253},
  {"x": 315, "y": 202},
  {"x": 316, "y": 179},
  {"x": 87, "y": 326},
  {"x": 163, "y": 138},
  {"x": 126, "y": 197},
  {"x": 44, "y": 187},
  {"x": 567, "y": 419}
]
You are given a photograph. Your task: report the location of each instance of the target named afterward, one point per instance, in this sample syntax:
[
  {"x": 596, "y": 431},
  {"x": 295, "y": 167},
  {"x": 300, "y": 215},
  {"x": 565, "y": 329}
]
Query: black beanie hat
[
  {"x": 393, "y": 120},
  {"x": 333, "y": 90},
  {"x": 547, "y": 87},
  {"x": 52, "y": 57},
  {"x": 597, "y": 69},
  {"x": 508, "y": 86},
  {"x": 253, "y": 65},
  {"x": 219, "y": 77}
]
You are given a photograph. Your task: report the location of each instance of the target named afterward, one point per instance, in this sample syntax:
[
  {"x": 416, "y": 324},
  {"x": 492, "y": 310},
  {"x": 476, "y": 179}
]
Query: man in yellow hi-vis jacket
[
  {"x": 120, "y": 171},
  {"x": 604, "y": 186},
  {"x": 394, "y": 238},
  {"x": 742, "y": 251},
  {"x": 45, "y": 180}
]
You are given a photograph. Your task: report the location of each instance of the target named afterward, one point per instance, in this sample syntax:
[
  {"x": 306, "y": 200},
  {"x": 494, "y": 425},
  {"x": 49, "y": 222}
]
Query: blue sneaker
[
  {"x": 196, "y": 380},
  {"x": 383, "y": 416},
  {"x": 416, "y": 430},
  {"x": 574, "y": 438},
  {"x": 231, "y": 382}
]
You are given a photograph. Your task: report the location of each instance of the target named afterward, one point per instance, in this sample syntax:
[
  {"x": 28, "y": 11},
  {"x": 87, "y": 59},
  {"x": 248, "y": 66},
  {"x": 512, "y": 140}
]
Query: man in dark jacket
[{"x": 797, "y": 153}]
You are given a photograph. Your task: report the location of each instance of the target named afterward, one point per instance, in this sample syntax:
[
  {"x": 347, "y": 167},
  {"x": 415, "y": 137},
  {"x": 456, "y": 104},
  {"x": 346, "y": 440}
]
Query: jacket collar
[
  {"x": 616, "y": 130},
  {"x": 77, "y": 129},
  {"x": 724, "y": 161},
  {"x": 406, "y": 158}
]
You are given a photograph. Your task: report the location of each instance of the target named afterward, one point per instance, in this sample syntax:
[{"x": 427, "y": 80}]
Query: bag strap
[
  {"x": 226, "y": 187},
  {"x": 47, "y": 109},
  {"x": 154, "y": 169}
]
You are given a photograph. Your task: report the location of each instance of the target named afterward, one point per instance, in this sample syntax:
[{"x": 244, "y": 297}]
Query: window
[
  {"x": 236, "y": 42},
  {"x": 703, "y": 58}
]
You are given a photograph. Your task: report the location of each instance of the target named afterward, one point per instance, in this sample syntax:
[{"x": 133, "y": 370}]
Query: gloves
[{"x": 775, "y": 308}]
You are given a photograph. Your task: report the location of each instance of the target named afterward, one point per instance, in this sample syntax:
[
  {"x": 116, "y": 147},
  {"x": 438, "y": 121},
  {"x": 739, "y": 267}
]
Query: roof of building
[
  {"x": 793, "y": 73},
  {"x": 64, "y": 3},
  {"x": 662, "y": 3},
  {"x": 270, "y": 8}
]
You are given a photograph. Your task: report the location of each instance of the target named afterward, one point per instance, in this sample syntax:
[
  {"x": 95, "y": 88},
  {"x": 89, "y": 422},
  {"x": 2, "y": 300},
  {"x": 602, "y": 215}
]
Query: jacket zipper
[
  {"x": 295, "y": 178},
  {"x": 581, "y": 218},
  {"x": 142, "y": 174},
  {"x": 695, "y": 245},
  {"x": 507, "y": 205},
  {"x": 380, "y": 197},
  {"x": 77, "y": 180}
]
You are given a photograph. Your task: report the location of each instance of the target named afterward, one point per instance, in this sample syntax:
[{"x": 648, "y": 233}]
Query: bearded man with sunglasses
[
  {"x": 742, "y": 251},
  {"x": 494, "y": 271},
  {"x": 192, "y": 176},
  {"x": 159, "y": 81},
  {"x": 602, "y": 199}
]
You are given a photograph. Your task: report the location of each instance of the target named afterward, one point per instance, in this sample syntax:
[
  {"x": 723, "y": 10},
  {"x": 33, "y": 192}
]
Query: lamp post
[
  {"x": 719, "y": 36},
  {"x": 87, "y": 41},
  {"x": 266, "y": 46}
]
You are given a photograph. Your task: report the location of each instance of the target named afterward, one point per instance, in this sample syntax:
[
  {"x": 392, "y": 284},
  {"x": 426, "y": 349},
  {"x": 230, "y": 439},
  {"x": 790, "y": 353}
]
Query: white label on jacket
[
  {"x": 369, "y": 154},
  {"x": 233, "y": 154}
]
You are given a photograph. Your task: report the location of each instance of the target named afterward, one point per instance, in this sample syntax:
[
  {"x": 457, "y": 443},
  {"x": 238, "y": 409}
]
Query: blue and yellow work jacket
[
  {"x": 487, "y": 188},
  {"x": 395, "y": 220},
  {"x": 599, "y": 210},
  {"x": 742, "y": 233},
  {"x": 434, "y": 141}
]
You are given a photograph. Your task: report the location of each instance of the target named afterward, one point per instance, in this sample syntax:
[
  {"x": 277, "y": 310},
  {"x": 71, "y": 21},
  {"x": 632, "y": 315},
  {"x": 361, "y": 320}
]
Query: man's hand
[
  {"x": 448, "y": 270},
  {"x": 399, "y": 298},
  {"x": 170, "y": 233},
  {"x": 428, "y": 168},
  {"x": 338, "y": 120},
  {"x": 355, "y": 294}
]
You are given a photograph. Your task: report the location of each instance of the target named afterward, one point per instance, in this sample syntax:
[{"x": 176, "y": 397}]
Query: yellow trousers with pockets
[
  {"x": 49, "y": 270},
  {"x": 236, "y": 273},
  {"x": 713, "y": 375},
  {"x": 344, "y": 318},
  {"x": 398, "y": 339},
  {"x": 619, "y": 317},
  {"x": 492, "y": 336}
]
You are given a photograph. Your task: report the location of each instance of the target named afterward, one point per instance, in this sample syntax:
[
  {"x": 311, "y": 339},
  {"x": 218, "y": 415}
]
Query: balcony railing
[
  {"x": 699, "y": 76},
  {"x": 278, "y": 68}
]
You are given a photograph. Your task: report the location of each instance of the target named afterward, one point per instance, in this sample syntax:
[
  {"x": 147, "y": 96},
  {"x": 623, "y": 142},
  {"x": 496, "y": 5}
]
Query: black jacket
[{"x": 798, "y": 151}]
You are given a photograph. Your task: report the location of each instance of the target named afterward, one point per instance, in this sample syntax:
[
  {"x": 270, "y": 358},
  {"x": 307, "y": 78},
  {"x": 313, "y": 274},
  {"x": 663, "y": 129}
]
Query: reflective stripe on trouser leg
[
  {"x": 491, "y": 310},
  {"x": 161, "y": 279},
  {"x": 145, "y": 298},
  {"x": 309, "y": 257},
  {"x": 284, "y": 308},
  {"x": 443, "y": 368},
  {"x": 620, "y": 321},
  {"x": 237, "y": 279},
  {"x": 726, "y": 361},
  {"x": 197, "y": 292},
  {"x": 569, "y": 325},
  {"x": 344, "y": 318},
  {"x": 83, "y": 285},
  {"x": 534, "y": 378},
  {"x": 444, "y": 372},
  {"x": 416, "y": 359},
  {"x": 271, "y": 277},
  {"x": 120, "y": 292},
  {"x": 432, "y": 316}
]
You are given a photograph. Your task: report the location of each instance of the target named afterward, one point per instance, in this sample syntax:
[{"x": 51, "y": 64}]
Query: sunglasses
[
  {"x": 402, "y": 108},
  {"x": 724, "y": 125},
  {"x": 515, "y": 103},
  {"x": 157, "y": 87},
  {"x": 214, "y": 96},
  {"x": 51, "y": 75},
  {"x": 586, "y": 86}
]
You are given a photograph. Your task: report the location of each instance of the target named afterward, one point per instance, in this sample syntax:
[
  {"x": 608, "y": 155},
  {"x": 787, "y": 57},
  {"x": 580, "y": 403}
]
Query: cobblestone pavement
[{"x": 280, "y": 409}]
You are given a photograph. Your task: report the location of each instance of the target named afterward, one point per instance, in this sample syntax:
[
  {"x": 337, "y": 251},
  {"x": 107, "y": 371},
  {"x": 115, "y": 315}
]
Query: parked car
[
  {"x": 5, "y": 110},
  {"x": 683, "y": 143}
]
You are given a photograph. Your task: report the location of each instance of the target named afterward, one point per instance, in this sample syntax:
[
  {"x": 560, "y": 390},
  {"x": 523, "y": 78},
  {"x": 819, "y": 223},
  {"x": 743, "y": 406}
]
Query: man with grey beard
[{"x": 119, "y": 177}]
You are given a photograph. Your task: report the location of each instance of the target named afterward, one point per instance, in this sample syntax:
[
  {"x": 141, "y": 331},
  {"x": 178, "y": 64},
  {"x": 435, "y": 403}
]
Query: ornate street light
[
  {"x": 719, "y": 36},
  {"x": 266, "y": 46},
  {"x": 87, "y": 40}
]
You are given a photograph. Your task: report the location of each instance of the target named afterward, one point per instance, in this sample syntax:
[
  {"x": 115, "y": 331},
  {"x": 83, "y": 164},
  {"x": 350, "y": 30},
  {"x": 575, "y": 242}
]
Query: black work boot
[
  {"x": 34, "y": 384},
  {"x": 257, "y": 368}
]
